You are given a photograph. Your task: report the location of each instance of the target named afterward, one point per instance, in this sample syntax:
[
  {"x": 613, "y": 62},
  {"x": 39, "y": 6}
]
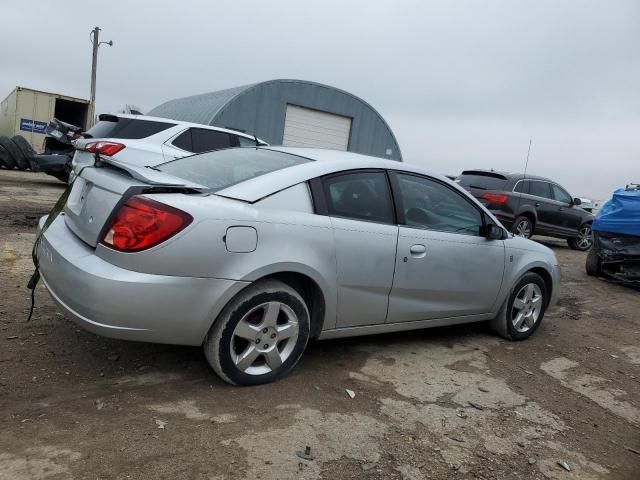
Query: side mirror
[
  {"x": 494, "y": 232},
  {"x": 577, "y": 201}
]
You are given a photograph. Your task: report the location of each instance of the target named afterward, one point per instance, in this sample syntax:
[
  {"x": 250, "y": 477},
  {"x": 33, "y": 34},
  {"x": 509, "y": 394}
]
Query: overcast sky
[{"x": 462, "y": 84}]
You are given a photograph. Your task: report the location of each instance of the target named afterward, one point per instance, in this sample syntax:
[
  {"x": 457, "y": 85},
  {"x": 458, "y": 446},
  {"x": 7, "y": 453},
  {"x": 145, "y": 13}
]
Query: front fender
[{"x": 521, "y": 261}]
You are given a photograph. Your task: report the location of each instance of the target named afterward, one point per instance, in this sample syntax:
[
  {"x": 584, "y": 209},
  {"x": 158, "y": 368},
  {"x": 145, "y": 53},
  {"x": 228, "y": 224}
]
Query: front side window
[
  {"x": 560, "y": 194},
  {"x": 359, "y": 196},
  {"x": 431, "y": 205},
  {"x": 540, "y": 189}
]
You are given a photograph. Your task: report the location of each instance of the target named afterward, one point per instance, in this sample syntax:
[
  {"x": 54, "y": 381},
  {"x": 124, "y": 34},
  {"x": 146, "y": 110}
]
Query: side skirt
[{"x": 401, "y": 326}]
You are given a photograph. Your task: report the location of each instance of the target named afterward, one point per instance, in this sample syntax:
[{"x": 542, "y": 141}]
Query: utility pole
[{"x": 94, "y": 68}]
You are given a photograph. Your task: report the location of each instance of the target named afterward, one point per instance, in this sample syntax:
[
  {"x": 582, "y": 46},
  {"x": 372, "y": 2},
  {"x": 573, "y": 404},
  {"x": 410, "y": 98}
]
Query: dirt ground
[{"x": 442, "y": 403}]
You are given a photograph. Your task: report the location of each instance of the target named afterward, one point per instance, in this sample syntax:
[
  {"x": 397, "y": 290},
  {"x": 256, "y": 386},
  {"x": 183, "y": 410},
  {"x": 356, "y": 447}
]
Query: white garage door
[{"x": 304, "y": 127}]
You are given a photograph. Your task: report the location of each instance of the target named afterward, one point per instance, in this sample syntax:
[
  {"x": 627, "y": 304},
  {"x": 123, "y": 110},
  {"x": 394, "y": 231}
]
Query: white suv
[{"x": 148, "y": 141}]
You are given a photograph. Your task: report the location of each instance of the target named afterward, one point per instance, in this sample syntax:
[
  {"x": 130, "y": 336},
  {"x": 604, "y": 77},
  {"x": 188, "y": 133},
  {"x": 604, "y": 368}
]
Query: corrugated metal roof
[{"x": 198, "y": 108}]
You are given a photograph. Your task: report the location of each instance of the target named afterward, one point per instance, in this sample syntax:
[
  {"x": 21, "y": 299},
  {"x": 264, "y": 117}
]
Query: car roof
[
  {"x": 185, "y": 124},
  {"x": 505, "y": 175},
  {"x": 324, "y": 162}
]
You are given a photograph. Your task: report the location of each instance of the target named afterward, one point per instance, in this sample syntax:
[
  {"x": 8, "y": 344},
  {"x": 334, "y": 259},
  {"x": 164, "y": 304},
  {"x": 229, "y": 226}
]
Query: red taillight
[
  {"x": 104, "y": 148},
  {"x": 495, "y": 198},
  {"x": 142, "y": 223}
]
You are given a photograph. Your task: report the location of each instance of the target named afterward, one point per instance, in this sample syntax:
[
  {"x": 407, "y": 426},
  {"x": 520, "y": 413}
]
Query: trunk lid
[{"x": 98, "y": 192}]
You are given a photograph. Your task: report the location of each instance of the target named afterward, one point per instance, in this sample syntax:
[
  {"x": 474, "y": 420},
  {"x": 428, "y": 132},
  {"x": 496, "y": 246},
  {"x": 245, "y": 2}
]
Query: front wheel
[
  {"x": 522, "y": 312},
  {"x": 592, "y": 265},
  {"x": 583, "y": 241},
  {"x": 260, "y": 335}
]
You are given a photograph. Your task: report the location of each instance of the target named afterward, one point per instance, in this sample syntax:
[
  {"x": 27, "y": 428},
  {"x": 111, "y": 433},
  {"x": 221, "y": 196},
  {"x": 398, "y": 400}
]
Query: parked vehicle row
[
  {"x": 529, "y": 205},
  {"x": 136, "y": 139},
  {"x": 252, "y": 252}
]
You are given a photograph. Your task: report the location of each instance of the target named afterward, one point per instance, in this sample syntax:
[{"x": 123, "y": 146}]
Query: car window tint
[
  {"x": 206, "y": 140},
  {"x": 482, "y": 180},
  {"x": 560, "y": 194},
  {"x": 246, "y": 142},
  {"x": 540, "y": 189},
  {"x": 359, "y": 195},
  {"x": 112, "y": 126},
  {"x": 183, "y": 141},
  {"x": 522, "y": 186},
  {"x": 434, "y": 206}
]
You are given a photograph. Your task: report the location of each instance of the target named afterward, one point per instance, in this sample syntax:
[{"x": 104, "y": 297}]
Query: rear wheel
[
  {"x": 260, "y": 335},
  {"x": 592, "y": 265},
  {"x": 583, "y": 241},
  {"x": 523, "y": 227},
  {"x": 522, "y": 312}
]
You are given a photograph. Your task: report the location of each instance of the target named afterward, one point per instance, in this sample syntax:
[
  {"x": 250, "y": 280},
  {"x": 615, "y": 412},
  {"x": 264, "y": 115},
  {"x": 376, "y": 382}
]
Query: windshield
[{"x": 222, "y": 168}]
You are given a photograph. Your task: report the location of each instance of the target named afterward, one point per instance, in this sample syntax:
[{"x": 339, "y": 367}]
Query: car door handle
[
  {"x": 561, "y": 209},
  {"x": 417, "y": 249},
  {"x": 537, "y": 204}
]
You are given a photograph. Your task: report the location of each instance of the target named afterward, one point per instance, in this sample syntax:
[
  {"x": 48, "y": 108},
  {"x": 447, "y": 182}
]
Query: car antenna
[
  {"x": 256, "y": 140},
  {"x": 526, "y": 163}
]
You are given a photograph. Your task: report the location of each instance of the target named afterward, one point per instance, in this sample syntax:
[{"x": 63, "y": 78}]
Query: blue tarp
[{"x": 621, "y": 214}]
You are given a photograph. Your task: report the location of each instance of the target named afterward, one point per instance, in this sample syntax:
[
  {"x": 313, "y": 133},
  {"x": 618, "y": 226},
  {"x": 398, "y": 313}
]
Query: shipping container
[{"x": 27, "y": 112}]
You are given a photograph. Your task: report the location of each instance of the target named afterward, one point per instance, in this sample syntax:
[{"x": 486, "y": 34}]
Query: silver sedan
[{"x": 252, "y": 252}]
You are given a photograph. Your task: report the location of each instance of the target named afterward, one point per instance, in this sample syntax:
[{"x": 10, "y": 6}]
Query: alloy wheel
[
  {"x": 527, "y": 306},
  {"x": 523, "y": 228},
  {"x": 585, "y": 238},
  {"x": 264, "y": 338}
]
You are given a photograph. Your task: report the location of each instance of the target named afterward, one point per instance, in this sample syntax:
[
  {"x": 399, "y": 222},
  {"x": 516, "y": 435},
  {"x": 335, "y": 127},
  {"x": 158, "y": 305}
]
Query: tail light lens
[
  {"x": 142, "y": 223},
  {"x": 495, "y": 198},
  {"x": 104, "y": 148}
]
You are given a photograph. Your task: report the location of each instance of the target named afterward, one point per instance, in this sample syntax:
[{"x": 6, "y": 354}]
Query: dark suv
[{"x": 529, "y": 204}]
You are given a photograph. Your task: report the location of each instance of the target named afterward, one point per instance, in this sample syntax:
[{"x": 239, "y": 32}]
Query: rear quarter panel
[{"x": 288, "y": 241}]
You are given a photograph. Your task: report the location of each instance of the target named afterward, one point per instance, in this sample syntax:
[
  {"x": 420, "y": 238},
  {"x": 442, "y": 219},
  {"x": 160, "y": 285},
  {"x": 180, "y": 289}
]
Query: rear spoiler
[{"x": 151, "y": 175}]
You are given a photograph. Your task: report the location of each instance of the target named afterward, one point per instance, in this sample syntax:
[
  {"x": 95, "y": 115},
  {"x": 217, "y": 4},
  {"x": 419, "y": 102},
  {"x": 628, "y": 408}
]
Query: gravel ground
[{"x": 452, "y": 402}]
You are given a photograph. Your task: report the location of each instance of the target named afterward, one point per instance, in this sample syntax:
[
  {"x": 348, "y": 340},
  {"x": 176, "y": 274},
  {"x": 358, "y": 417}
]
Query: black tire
[
  {"x": 6, "y": 160},
  {"x": 25, "y": 147},
  {"x": 592, "y": 265},
  {"x": 15, "y": 153},
  {"x": 520, "y": 222},
  {"x": 584, "y": 241},
  {"x": 218, "y": 342},
  {"x": 503, "y": 324}
]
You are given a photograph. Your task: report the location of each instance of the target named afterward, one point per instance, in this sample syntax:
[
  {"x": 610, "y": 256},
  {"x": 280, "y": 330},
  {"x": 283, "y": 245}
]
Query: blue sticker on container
[{"x": 32, "y": 125}]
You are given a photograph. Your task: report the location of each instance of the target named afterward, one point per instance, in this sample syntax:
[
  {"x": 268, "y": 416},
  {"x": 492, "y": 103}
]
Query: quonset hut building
[{"x": 293, "y": 113}]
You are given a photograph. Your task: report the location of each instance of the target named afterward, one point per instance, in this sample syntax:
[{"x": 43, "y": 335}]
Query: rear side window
[
  {"x": 199, "y": 140},
  {"x": 522, "y": 186},
  {"x": 222, "y": 168},
  {"x": 540, "y": 189},
  {"x": 126, "y": 128},
  {"x": 206, "y": 140},
  {"x": 483, "y": 180},
  {"x": 360, "y": 196}
]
